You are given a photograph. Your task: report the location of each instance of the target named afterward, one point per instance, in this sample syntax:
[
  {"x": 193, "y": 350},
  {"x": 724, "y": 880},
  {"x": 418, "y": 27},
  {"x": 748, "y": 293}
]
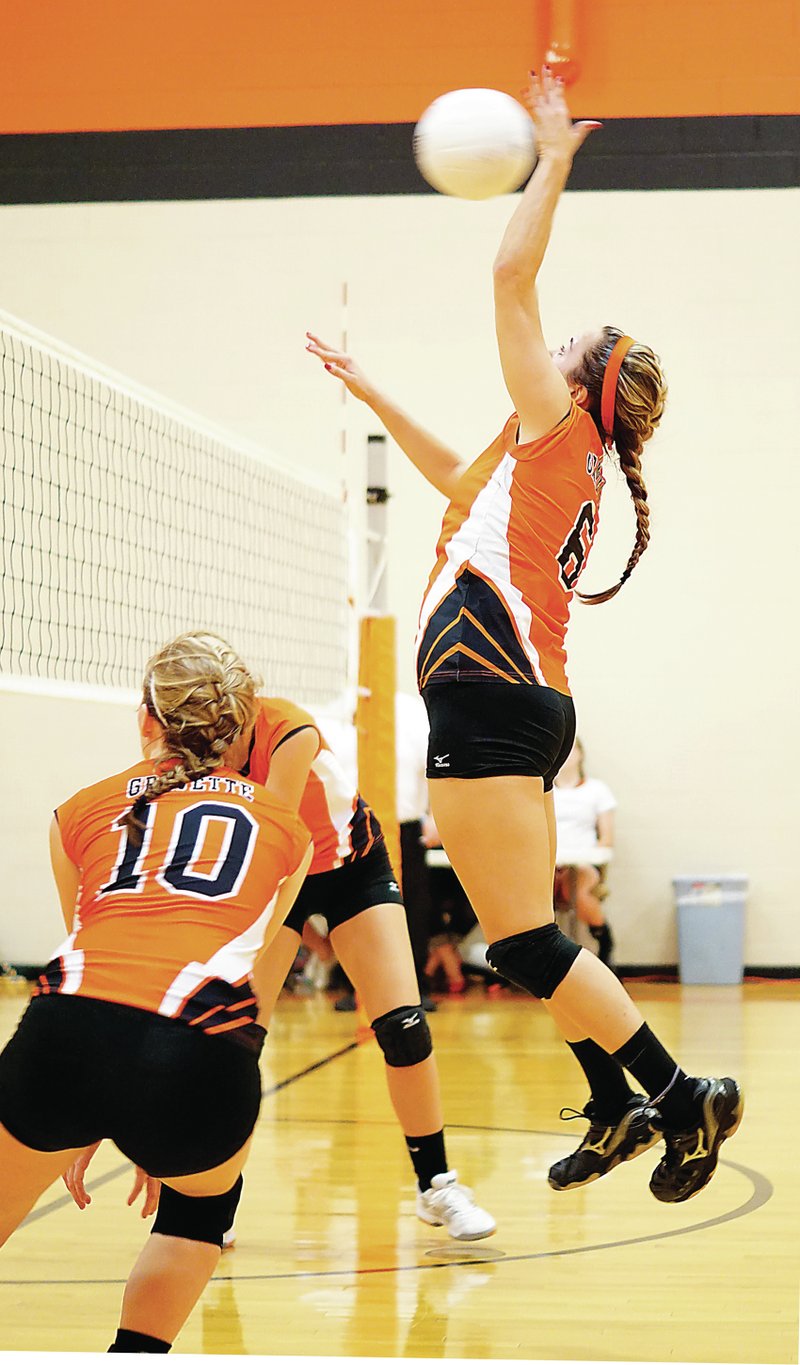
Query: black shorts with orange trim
[
  {"x": 342, "y": 893},
  {"x": 497, "y": 729},
  {"x": 173, "y": 1099}
]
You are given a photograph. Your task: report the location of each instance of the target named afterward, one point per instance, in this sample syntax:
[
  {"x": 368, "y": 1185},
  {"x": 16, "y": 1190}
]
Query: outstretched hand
[
  {"x": 341, "y": 366},
  {"x": 546, "y": 103}
]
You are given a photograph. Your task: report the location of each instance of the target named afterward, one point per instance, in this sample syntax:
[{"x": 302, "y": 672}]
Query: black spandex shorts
[
  {"x": 173, "y": 1099},
  {"x": 497, "y": 729},
  {"x": 341, "y": 894}
]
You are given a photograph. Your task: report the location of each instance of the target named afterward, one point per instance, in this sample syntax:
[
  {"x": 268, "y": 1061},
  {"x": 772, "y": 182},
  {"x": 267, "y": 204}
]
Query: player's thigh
[
  {"x": 25, "y": 1175},
  {"x": 495, "y": 832},
  {"x": 375, "y": 951}
]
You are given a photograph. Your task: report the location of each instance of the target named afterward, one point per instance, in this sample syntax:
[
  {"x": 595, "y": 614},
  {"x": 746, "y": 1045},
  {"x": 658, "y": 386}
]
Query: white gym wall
[{"x": 685, "y": 684}]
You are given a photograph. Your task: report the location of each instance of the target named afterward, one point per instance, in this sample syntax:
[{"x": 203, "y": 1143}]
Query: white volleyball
[{"x": 475, "y": 144}]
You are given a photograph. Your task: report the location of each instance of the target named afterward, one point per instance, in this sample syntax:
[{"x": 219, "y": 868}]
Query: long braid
[
  {"x": 640, "y": 398},
  {"x": 631, "y": 466}
]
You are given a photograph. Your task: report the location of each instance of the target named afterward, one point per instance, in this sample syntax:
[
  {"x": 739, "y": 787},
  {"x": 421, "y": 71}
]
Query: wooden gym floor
[{"x": 331, "y": 1261}]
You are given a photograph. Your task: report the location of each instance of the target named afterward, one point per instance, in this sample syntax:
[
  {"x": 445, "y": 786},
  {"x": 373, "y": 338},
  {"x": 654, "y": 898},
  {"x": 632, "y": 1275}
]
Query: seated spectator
[{"x": 584, "y": 808}]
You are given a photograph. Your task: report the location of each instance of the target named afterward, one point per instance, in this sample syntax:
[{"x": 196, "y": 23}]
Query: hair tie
[{"x": 608, "y": 395}]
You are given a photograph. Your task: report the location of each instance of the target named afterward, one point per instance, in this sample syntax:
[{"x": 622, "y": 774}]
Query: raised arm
[
  {"x": 439, "y": 464},
  {"x": 538, "y": 390}
]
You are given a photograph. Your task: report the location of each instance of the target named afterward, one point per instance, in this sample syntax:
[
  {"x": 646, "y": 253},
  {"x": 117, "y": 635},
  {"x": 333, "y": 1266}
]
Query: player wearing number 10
[
  {"x": 173, "y": 876},
  {"x": 491, "y": 667}
]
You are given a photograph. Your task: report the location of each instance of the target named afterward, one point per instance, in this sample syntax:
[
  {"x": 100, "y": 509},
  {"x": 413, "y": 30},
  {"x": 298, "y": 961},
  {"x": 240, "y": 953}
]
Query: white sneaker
[
  {"x": 450, "y": 1205},
  {"x": 229, "y": 1238}
]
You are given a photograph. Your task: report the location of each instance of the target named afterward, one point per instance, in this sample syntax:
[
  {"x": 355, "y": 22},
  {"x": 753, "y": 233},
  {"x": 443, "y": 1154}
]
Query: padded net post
[{"x": 375, "y": 721}]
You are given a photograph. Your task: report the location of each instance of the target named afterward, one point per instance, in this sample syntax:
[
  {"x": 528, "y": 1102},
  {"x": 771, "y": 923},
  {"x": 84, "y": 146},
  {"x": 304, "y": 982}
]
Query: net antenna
[
  {"x": 355, "y": 528},
  {"x": 127, "y": 520},
  {"x": 377, "y": 526}
]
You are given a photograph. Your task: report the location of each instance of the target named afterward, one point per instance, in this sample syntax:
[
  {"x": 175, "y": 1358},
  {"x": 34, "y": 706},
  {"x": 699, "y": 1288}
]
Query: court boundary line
[{"x": 763, "y": 1191}]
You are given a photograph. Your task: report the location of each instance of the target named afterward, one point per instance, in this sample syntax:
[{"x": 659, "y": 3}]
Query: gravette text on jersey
[{"x": 139, "y": 785}]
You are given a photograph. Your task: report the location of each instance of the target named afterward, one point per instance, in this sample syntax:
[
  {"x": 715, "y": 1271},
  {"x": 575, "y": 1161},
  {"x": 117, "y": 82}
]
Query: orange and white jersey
[
  {"x": 174, "y": 923},
  {"x": 342, "y": 825},
  {"x": 513, "y": 543}
]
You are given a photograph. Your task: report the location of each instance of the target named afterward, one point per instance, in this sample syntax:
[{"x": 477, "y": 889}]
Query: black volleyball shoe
[
  {"x": 691, "y": 1156},
  {"x": 606, "y": 1144}
]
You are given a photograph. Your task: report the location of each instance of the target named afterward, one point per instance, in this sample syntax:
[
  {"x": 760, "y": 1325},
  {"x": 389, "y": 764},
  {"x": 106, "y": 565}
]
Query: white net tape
[{"x": 126, "y": 521}]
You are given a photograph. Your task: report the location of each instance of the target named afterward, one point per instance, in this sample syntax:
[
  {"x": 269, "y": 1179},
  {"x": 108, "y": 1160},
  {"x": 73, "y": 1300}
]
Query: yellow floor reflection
[{"x": 331, "y": 1261}]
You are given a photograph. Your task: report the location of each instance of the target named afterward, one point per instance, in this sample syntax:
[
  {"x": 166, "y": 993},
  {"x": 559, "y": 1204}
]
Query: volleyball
[{"x": 475, "y": 144}]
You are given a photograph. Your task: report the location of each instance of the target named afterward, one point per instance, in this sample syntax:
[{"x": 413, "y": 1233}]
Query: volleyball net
[{"x": 127, "y": 520}]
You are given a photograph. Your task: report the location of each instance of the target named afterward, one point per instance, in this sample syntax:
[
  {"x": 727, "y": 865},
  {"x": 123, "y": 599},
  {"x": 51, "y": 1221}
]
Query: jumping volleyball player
[
  {"x": 172, "y": 876},
  {"x": 491, "y": 667}
]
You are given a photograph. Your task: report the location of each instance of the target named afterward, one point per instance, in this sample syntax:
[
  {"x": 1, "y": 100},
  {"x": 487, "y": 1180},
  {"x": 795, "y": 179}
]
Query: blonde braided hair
[{"x": 204, "y": 697}]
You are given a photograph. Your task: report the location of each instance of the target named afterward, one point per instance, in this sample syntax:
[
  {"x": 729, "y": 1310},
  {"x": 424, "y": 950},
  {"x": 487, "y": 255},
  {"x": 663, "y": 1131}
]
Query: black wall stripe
[{"x": 758, "y": 152}]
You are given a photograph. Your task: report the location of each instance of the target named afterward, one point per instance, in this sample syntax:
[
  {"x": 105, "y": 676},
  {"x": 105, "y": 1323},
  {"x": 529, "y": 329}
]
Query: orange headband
[{"x": 608, "y": 395}]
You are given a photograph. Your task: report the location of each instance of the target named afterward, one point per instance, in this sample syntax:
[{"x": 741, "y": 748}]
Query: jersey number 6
[
  {"x": 572, "y": 555},
  {"x": 189, "y": 833}
]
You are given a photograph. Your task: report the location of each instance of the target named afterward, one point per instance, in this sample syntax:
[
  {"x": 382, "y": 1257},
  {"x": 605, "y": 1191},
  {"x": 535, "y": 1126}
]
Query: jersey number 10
[{"x": 190, "y": 830}]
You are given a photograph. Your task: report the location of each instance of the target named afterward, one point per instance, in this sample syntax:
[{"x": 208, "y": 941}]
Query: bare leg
[
  {"x": 566, "y": 1025},
  {"x": 26, "y": 1174},
  {"x": 171, "y": 1273},
  {"x": 495, "y": 830},
  {"x": 604, "y": 1075},
  {"x": 375, "y": 951},
  {"x": 496, "y": 833}
]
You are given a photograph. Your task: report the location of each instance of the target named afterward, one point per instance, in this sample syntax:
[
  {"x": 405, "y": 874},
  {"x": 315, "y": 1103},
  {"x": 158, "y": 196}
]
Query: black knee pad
[
  {"x": 537, "y": 960},
  {"x": 198, "y": 1219},
  {"x": 403, "y": 1036}
]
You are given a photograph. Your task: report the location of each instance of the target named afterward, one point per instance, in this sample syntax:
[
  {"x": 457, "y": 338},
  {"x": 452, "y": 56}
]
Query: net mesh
[{"x": 125, "y": 523}]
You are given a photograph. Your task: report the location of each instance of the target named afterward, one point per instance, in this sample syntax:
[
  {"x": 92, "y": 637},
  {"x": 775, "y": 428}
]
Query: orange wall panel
[{"x": 115, "y": 64}]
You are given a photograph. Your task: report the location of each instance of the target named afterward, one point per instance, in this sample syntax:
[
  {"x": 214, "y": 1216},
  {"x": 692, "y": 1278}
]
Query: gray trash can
[{"x": 711, "y": 929}]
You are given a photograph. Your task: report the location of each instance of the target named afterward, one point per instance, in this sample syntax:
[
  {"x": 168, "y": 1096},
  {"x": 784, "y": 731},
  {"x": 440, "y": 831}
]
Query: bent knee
[
  {"x": 197, "y": 1218},
  {"x": 537, "y": 959},
  {"x": 403, "y": 1036}
]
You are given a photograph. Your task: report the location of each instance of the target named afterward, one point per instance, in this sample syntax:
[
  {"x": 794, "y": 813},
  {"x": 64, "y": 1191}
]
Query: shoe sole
[
  {"x": 617, "y": 1160},
  {"x": 721, "y": 1135}
]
